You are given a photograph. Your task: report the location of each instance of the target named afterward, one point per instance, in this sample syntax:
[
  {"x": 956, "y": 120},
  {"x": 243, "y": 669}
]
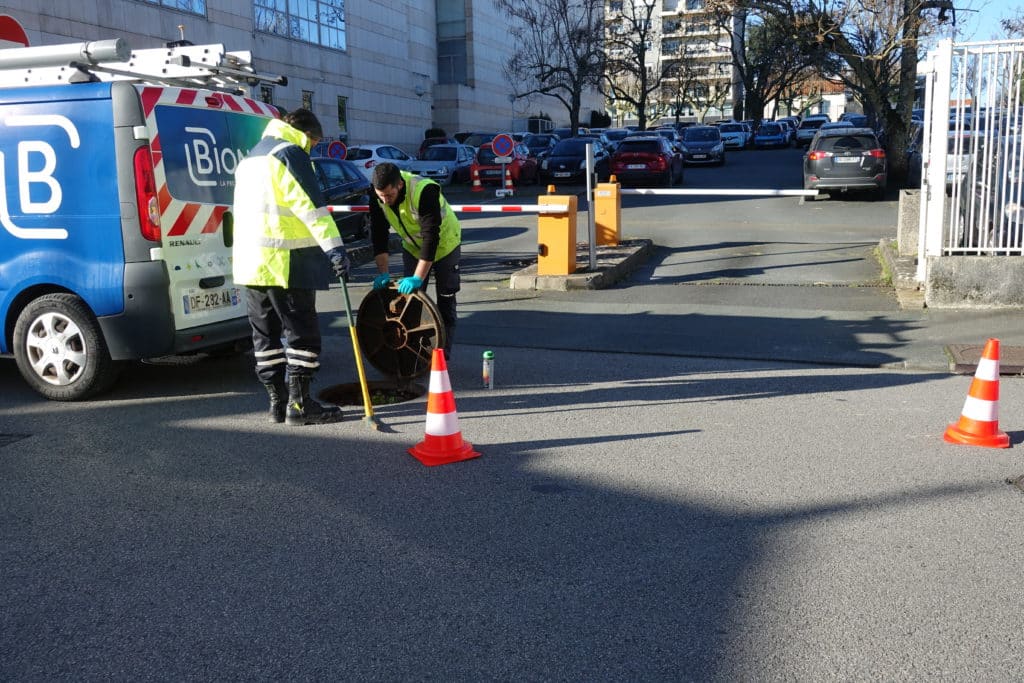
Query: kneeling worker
[
  {"x": 282, "y": 231},
  {"x": 431, "y": 238}
]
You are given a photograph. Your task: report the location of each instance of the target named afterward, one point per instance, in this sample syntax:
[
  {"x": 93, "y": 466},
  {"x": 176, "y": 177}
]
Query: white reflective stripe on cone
[
  {"x": 987, "y": 369},
  {"x": 439, "y": 383},
  {"x": 444, "y": 424},
  {"x": 981, "y": 410}
]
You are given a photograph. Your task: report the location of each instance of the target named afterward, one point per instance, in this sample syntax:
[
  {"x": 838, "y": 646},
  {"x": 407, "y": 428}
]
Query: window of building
[
  {"x": 307, "y": 99},
  {"x": 694, "y": 4},
  {"x": 267, "y": 94},
  {"x": 190, "y": 6},
  {"x": 452, "y": 56},
  {"x": 343, "y": 117},
  {"x": 314, "y": 21}
]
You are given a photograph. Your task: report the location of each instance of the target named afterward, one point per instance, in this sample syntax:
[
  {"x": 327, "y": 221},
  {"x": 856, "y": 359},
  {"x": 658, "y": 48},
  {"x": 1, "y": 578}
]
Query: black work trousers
[
  {"x": 447, "y": 283},
  {"x": 276, "y": 312}
]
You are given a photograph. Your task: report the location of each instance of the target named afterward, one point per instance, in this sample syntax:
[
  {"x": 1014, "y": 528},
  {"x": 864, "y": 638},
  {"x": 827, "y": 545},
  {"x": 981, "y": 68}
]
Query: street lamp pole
[{"x": 512, "y": 107}]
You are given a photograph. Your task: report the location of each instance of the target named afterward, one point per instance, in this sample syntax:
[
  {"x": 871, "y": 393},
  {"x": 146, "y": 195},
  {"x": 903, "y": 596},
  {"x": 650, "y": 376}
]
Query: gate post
[{"x": 608, "y": 213}]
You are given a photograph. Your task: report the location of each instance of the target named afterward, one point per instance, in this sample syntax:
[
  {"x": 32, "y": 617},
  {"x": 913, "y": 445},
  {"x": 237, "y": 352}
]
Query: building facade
[{"x": 373, "y": 71}]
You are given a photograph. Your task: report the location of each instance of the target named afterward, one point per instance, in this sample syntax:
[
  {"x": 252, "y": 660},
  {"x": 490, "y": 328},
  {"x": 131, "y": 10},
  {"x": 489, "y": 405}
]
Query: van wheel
[{"x": 60, "y": 351}]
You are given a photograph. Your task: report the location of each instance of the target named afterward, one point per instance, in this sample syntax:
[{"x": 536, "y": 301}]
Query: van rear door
[{"x": 197, "y": 138}]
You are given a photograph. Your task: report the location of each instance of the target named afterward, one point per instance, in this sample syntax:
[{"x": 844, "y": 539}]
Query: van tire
[{"x": 86, "y": 368}]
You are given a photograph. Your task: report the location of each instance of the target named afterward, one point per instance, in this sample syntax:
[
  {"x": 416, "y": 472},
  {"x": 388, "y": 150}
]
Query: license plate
[
  {"x": 700, "y": 156},
  {"x": 847, "y": 160},
  {"x": 199, "y": 300},
  {"x": 636, "y": 167},
  {"x": 562, "y": 175}
]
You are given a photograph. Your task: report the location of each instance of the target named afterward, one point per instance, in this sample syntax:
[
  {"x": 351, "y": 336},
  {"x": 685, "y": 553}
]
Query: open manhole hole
[{"x": 381, "y": 393}]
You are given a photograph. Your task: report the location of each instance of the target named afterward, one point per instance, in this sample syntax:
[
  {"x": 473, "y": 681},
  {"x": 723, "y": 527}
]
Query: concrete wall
[{"x": 975, "y": 282}]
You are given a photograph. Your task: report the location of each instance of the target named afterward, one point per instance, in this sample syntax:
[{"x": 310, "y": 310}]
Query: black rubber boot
[
  {"x": 303, "y": 410},
  {"x": 278, "y": 393}
]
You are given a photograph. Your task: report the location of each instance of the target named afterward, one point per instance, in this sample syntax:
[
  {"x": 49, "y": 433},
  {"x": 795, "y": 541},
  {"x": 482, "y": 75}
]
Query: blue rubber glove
[
  {"x": 408, "y": 285},
  {"x": 382, "y": 281}
]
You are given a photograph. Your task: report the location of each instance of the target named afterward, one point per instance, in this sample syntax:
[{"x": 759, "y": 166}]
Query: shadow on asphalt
[{"x": 273, "y": 553}]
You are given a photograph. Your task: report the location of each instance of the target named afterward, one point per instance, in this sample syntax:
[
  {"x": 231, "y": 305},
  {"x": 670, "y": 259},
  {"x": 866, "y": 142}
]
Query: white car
[
  {"x": 735, "y": 135},
  {"x": 365, "y": 157}
]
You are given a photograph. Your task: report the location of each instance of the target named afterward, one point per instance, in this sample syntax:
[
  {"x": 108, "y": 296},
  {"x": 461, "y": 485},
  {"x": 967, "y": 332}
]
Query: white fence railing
[{"x": 972, "y": 199}]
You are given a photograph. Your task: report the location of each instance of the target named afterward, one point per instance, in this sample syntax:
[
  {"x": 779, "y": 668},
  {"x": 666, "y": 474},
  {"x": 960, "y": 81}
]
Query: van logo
[
  {"x": 31, "y": 173},
  {"x": 204, "y": 158}
]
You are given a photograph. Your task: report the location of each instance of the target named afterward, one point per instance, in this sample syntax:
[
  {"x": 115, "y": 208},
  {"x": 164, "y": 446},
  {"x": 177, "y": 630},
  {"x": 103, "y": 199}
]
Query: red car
[
  {"x": 523, "y": 167},
  {"x": 646, "y": 160}
]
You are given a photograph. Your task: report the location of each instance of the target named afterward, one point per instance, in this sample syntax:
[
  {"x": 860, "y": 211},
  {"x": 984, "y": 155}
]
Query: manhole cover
[
  {"x": 965, "y": 358},
  {"x": 398, "y": 333},
  {"x": 381, "y": 393}
]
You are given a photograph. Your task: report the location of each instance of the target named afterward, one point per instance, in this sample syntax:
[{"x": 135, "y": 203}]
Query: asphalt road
[{"x": 640, "y": 510}]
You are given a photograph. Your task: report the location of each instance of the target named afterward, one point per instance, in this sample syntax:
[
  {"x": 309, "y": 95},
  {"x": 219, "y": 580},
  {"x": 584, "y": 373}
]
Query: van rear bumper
[{"x": 145, "y": 329}]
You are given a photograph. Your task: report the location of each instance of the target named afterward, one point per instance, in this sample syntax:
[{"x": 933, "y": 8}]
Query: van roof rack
[{"x": 176, "y": 64}]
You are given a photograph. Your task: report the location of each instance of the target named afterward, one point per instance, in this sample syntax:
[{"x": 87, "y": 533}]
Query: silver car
[{"x": 447, "y": 164}]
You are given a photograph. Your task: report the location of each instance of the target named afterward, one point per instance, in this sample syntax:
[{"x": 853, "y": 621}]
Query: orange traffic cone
[
  {"x": 508, "y": 180},
  {"x": 979, "y": 420},
  {"x": 475, "y": 173},
  {"x": 443, "y": 442}
]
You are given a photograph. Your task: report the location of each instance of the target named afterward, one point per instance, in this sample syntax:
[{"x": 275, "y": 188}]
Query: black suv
[{"x": 845, "y": 159}]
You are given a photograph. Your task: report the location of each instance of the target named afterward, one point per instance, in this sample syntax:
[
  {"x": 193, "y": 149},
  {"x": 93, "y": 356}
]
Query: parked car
[
  {"x": 342, "y": 183},
  {"x": 540, "y": 144},
  {"x": 735, "y": 135},
  {"x": 522, "y": 168},
  {"x": 616, "y": 135},
  {"x": 703, "y": 145},
  {"x": 567, "y": 161},
  {"x": 475, "y": 139},
  {"x": 845, "y": 159},
  {"x": 647, "y": 161},
  {"x": 991, "y": 194},
  {"x": 447, "y": 163},
  {"x": 960, "y": 151},
  {"x": 566, "y": 133},
  {"x": 806, "y": 130},
  {"x": 430, "y": 142},
  {"x": 771, "y": 134},
  {"x": 365, "y": 157}
]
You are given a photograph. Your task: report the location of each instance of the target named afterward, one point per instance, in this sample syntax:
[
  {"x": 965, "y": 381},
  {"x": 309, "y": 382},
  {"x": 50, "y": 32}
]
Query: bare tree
[
  {"x": 634, "y": 73},
  {"x": 878, "y": 42},
  {"x": 560, "y": 49},
  {"x": 1014, "y": 26}
]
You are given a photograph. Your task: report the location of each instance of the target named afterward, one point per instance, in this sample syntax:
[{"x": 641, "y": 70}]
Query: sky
[{"x": 978, "y": 20}]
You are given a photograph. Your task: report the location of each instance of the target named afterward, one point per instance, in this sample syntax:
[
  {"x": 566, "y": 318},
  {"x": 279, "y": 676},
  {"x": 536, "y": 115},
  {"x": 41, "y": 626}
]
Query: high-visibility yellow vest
[
  {"x": 406, "y": 221},
  {"x": 280, "y": 233}
]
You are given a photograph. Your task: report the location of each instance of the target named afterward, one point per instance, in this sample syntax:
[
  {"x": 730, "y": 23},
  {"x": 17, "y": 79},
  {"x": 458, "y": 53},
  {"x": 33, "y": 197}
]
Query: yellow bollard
[
  {"x": 556, "y": 236},
  {"x": 608, "y": 213}
]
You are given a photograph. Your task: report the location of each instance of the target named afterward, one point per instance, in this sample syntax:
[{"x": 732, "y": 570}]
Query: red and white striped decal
[
  {"x": 472, "y": 208},
  {"x": 180, "y": 217}
]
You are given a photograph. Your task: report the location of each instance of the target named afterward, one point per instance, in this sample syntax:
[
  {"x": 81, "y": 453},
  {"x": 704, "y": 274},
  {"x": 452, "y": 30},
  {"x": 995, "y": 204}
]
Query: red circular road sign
[
  {"x": 11, "y": 31},
  {"x": 337, "y": 150},
  {"x": 502, "y": 145}
]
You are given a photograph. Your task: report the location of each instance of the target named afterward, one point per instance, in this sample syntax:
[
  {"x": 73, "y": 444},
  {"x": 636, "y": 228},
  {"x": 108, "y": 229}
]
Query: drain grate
[
  {"x": 1018, "y": 483},
  {"x": 8, "y": 439},
  {"x": 965, "y": 357}
]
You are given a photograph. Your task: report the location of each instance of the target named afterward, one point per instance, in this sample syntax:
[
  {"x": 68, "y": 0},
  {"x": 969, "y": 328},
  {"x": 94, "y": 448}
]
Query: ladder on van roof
[{"x": 177, "y": 64}]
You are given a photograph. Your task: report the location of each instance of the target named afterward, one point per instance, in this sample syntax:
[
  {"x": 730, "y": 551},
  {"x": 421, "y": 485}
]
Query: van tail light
[
  {"x": 819, "y": 155},
  {"x": 145, "y": 195},
  {"x": 875, "y": 153}
]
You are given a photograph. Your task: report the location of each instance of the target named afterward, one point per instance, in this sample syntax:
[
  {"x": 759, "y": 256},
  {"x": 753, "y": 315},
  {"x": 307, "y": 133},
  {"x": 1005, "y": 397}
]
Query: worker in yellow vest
[
  {"x": 431, "y": 238},
  {"x": 282, "y": 232}
]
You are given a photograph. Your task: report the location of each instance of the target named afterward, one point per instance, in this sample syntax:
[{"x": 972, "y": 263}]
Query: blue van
[{"x": 115, "y": 226}]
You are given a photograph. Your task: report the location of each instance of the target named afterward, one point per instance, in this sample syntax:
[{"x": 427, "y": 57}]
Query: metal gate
[{"x": 972, "y": 201}]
